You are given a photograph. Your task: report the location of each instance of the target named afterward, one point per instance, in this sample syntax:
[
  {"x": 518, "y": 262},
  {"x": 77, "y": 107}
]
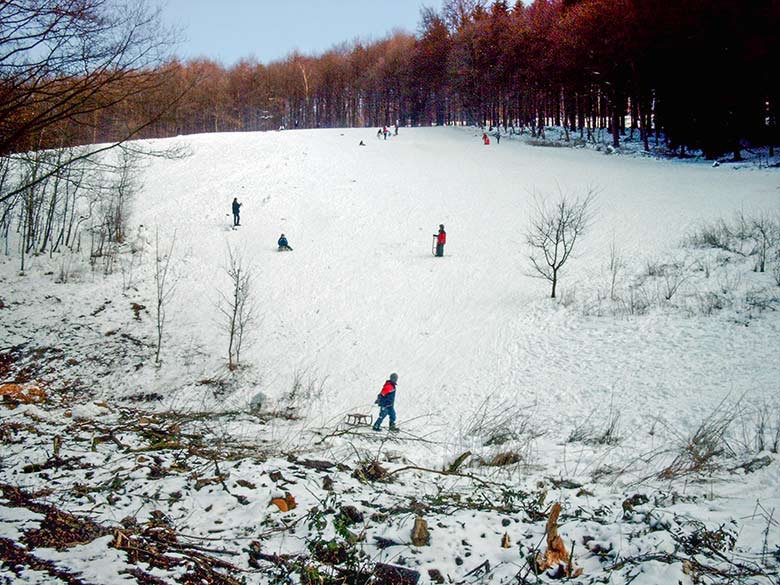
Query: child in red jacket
[
  {"x": 386, "y": 400},
  {"x": 441, "y": 239}
]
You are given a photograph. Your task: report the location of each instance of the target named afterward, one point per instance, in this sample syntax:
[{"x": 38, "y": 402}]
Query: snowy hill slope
[
  {"x": 471, "y": 335},
  {"x": 362, "y": 296}
]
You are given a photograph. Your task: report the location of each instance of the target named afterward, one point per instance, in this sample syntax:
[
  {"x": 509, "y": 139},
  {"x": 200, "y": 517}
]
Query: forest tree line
[{"x": 695, "y": 74}]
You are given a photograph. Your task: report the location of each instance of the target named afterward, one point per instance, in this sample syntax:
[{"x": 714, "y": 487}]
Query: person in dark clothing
[
  {"x": 283, "y": 245},
  {"x": 236, "y": 212},
  {"x": 441, "y": 239},
  {"x": 385, "y": 400}
]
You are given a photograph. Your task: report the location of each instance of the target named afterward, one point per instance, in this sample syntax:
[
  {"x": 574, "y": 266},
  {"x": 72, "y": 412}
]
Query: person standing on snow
[
  {"x": 236, "y": 212},
  {"x": 441, "y": 239},
  {"x": 386, "y": 399}
]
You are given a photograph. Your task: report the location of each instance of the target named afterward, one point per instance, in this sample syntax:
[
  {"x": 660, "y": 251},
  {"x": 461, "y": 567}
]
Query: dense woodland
[{"x": 692, "y": 74}]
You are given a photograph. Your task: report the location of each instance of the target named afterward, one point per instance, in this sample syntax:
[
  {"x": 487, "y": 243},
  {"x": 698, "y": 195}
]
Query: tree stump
[
  {"x": 556, "y": 554},
  {"x": 420, "y": 534}
]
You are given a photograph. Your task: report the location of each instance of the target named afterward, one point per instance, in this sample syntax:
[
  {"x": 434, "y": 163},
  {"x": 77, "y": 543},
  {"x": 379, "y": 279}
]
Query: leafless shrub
[
  {"x": 128, "y": 264},
  {"x": 765, "y": 230},
  {"x": 654, "y": 268},
  {"x": 548, "y": 143},
  {"x": 773, "y": 432},
  {"x": 760, "y": 428},
  {"x": 711, "y": 235},
  {"x": 636, "y": 301},
  {"x": 615, "y": 266},
  {"x": 755, "y": 235},
  {"x": 712, "y": 301},
  {"x": 708, "y": 553},
  {"x": 700, "y": 451},
  {"x": 496, "y": 422},
  {"x": 306, "y": 388},
  {"x": 568, "y": 297},
  {"x": 673, "y": 277},
  {"x": 702, "y": 265},
  {"x": 66, "y": 270},
  {"x": 669, "y": 276},
  {"x": 759, "y": 300},
  {"x": 604, "y": 432}
]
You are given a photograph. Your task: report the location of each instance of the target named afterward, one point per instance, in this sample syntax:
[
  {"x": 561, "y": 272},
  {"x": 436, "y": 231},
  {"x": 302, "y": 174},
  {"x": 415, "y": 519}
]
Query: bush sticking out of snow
[
  {"x": 598, "y": 432},
  {"x": 717, "y": 270},
  {"x": 700, "y": 453},
  {"x": 503, "y": 423}
]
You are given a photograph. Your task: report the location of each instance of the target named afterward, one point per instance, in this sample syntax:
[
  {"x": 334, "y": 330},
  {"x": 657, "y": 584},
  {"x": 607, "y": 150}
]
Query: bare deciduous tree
[
  {"x": 65, "y": 63},
  {"x": 553, "y": 231},
  {"x": 164, "y": 286},
  {"x": 237, "y": 306}
]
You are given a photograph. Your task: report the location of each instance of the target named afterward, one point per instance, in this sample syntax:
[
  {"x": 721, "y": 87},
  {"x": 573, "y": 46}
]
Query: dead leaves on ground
[
  {"x": 15, "y": 394},
  {"x": 286, "y": 503}
]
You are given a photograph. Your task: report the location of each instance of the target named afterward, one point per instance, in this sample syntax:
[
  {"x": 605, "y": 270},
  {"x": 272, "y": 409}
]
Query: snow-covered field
[{"x": 479, "y": 348}]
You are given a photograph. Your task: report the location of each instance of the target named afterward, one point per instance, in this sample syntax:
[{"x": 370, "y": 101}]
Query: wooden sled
[{"x": 357, "y": 419}]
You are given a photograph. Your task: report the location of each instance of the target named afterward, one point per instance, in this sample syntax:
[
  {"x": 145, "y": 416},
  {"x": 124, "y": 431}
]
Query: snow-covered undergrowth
[
  {"x": 644, "y": 398},
  {"x": 632, "y": 144}
]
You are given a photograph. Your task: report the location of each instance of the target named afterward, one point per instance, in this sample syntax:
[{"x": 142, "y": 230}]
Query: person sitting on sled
[
  {"x": 385, "y": 400},
  {"x": 284, "y": 246}
]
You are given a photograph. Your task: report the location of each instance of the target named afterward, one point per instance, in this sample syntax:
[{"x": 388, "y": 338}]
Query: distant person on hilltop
[
  {"x": 485, "y": 139},
  {"x": 379, "y": 134},
  {"x": 441, "y": 239},
  {"x": 236, "y": 212},
  {"x": 385, "y": 400},
  {"x": 284, "y": 246}
]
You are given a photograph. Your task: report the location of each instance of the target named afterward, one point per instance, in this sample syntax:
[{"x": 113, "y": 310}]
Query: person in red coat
[
  {"x": 386, "y": 400},
  {"x": 441, "y": 239}
]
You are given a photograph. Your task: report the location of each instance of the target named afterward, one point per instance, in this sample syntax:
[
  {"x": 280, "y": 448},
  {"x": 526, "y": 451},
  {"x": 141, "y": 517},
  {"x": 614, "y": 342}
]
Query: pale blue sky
[{"x": 229, "y": 30}]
